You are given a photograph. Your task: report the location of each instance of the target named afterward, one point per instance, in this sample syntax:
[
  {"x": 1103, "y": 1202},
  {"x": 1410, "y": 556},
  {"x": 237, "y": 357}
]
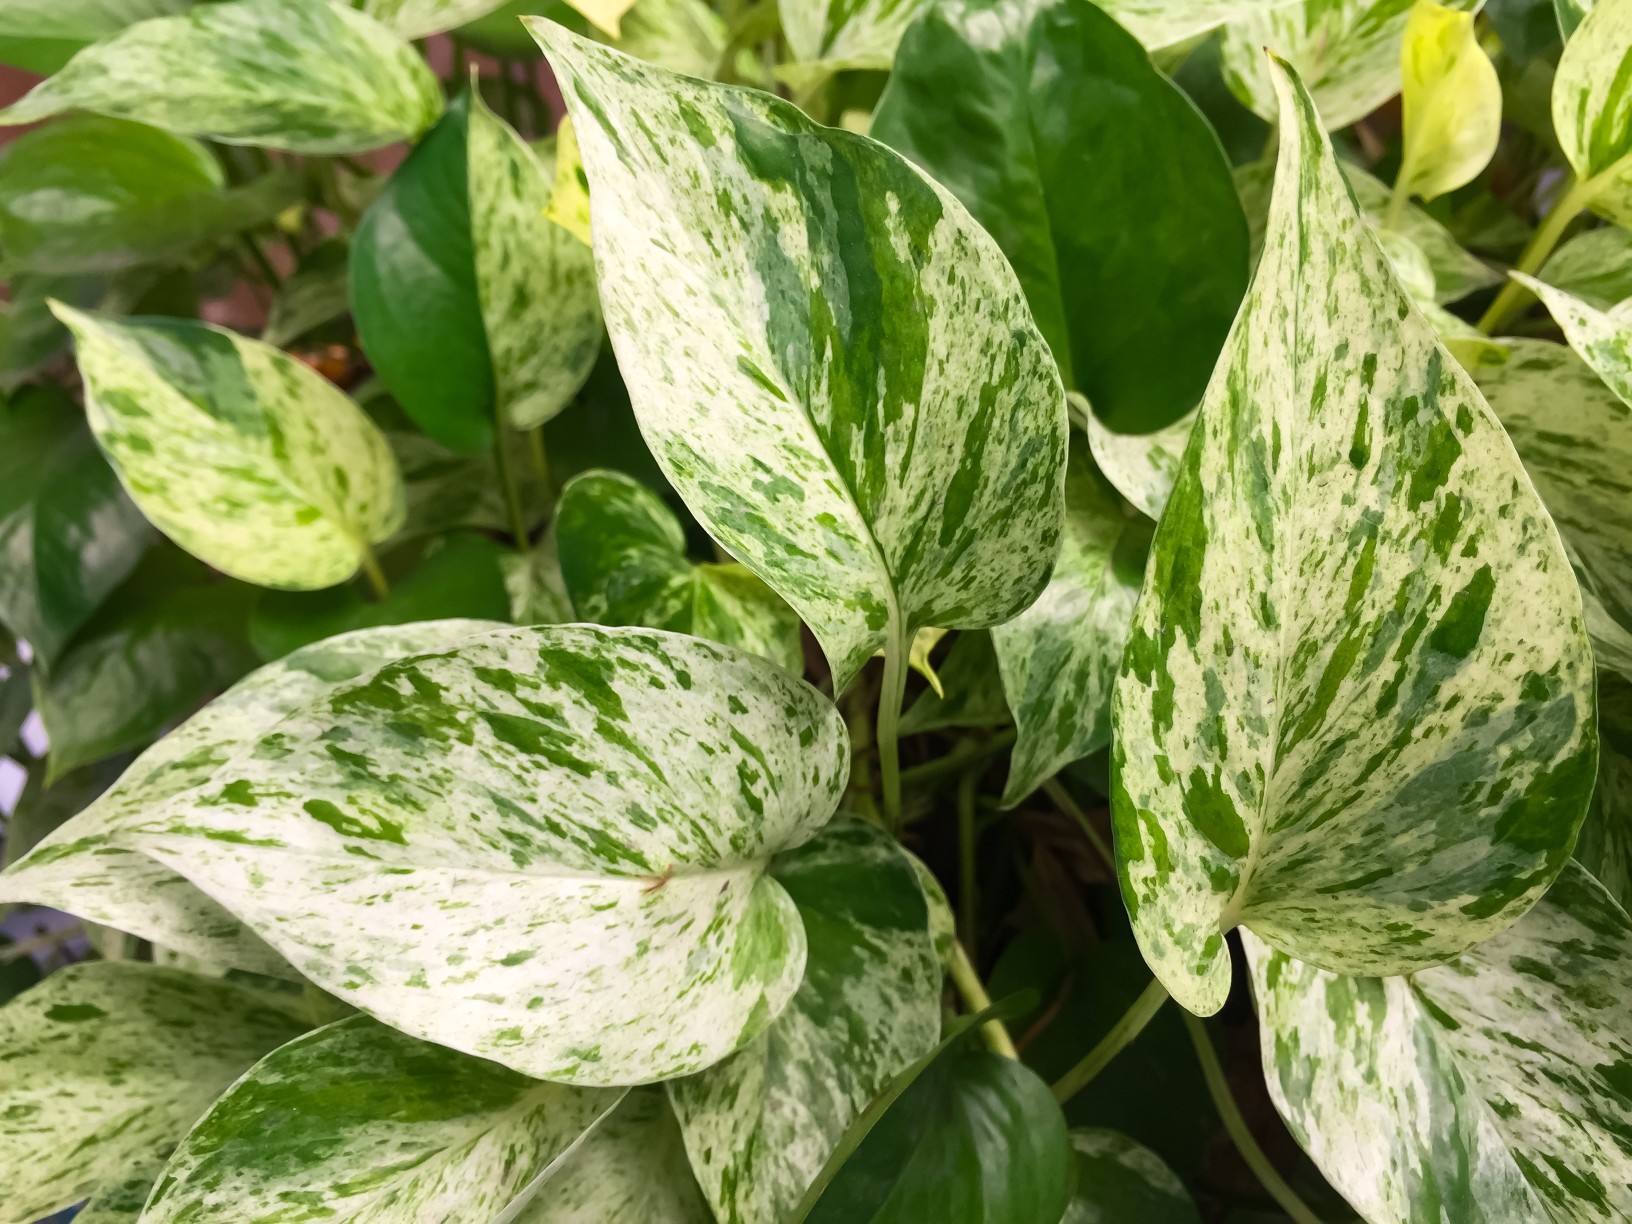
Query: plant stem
[
  {"x": 968, "y": 898},
  {"x": 1063, "y": 800},
  {"x": 890, "y": 695},
  {"x": 1236, "y": 1126},
  {"x": 512, "y": 495},
  {"x": 1575, "y": 198},
  {"x": 967, "y": 753},
  {"x": 535, "y": 444},
  {"x": 976, "y": 999},
  {"x": 257, "y": 255},
  {"x": 1131, "y": 1024},
  {"x": 376, "y": 576}
]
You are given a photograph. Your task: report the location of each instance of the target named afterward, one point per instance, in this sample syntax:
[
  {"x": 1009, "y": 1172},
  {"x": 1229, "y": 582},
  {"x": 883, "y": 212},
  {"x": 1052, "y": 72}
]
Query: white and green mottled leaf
[
  {"x": 1159, "y": 24},
  {"x": 1603, "y": 338},
  {"x": 829, "y": 36},
  {"x": 1592, "y": 107},
  {"x": 630, "y": 1167},
  {"x": 681, "y": 35},
  {"x": 357, "y": 1123},
  {"x": 832, "y": 363},
  {"x": 247, "y": 458},
  {"x": 89, "y": 867},
  {"x": 420, "y": 18},
  {"x": 303, "y": 75},
  {"x": 1059, "y": 658},
  {"x": 1347, "y": 53},
  {"x": 538, "y": 595},
  {"x": 105, "y": 1065},
  {"x": 1355, "y": 711},
  {"x": 535, "y": 280},
  {"x": 43, "y": 35},
  {"x": 121, "y": 1202},
  {"x": 546, "y": 847},
  {"x": 1605, "y": 845},
  {"x": 1120, "y": 1181},
  {"x": 1492, "y": 1088},
  {"x": 623, "y": 562},
  {"x": 760, "y": 1125},
  {"x": 1595, "y": 266},
  {"x": 1141, "y": 467},
  {"x": 1575, "y": 438}
]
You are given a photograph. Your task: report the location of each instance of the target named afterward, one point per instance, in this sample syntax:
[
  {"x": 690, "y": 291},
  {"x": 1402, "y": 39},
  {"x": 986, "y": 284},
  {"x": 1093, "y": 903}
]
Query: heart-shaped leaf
[
  {"x": 1591, "y": 94},
  {"x": 1120, "y": 1181},
  {"x": 247, "y": 458},
  {"x": 623, "y": 560},
  {"x": 1494, "y": 1087},
  {"x": 106, "y": 1065},
  {"x": 1451, "y": 102},
  {"x": 1355, "y": 711},
  {"x": 830, "y": 360}
]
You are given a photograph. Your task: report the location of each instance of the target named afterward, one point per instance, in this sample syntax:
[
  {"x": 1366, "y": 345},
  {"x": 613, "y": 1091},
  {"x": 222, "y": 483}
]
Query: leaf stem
[
  {"x": 968, "y": 897},
  {"x": 1131, "y": 1024},
  {"x": 512, "y": 494},
  {"x": 376, "y": 575},
  {"x": 1577, "y": 196},
  {"x": 1063, "y": 800},
  {"x": 967, "y": 753},
  {"x": 1236, "y": 1126},
  {"x": 890, "y": 695},
  {"x": 976, "y": 999},
  {"x": 535, "y": 444},
  {"x": 1398, "y": 199}
]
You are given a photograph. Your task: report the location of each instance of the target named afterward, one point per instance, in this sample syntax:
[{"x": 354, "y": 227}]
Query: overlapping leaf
[
  {"x": 1592, "y": 107},
  {"x": 1595, "y": 266},
  {"x": 826, "y": 37},
  {"x": 43, "y": 35},
  {"x": 830, "y": 360},
  {"x": 1605, "y": 847},
  {"x": 1355, "y": 711},
  {"x": 1494, "y": 1087},
  {"x": 1141, "y": 467},
  {"x": 1119, "y": 1181}
]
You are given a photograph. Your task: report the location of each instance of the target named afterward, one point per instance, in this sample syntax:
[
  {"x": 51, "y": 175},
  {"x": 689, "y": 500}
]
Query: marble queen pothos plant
[{"x": 1107, "y": 476}]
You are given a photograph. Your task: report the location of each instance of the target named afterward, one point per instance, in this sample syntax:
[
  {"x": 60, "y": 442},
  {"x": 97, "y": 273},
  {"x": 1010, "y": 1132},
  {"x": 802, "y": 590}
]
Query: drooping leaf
[
  {"x": 506, "y": 324},
  {"x": 1119, "y": 1181},
  {"x": 1354, "y": 713},
  {"x": 1451, "y": 102},
  {"x": 1592, "y": 107},
  {"x": 623, "y": 562},
  {"x": 865, "y": 417},
  {"x": 1605, "y": 845},
  {"x": 1493, "y": 1087},
  {"x": 1347, "y": 53},
  {"x": 1595, "y": 266},
  {"x": 1059, "y": 657},
  {"x": 68, "y": 533},
  {"x": 1100, "y": 180},
  {"x": 1141, "y": 467},
  {"x": 760, "y": 1125},
  {"x": 357, "y": 1122},
  {"x": 420, "y": 18},
  {"x": 106, "y": 1065},
  {"x": 43, "y": 35},
  {"x": 250, "y": 460},
  {"x": 972, "y": 690},
  {"x": 305, "y": 75},
  {"x": 91, "y": 868},
  {"x": 603, "y": 803}
]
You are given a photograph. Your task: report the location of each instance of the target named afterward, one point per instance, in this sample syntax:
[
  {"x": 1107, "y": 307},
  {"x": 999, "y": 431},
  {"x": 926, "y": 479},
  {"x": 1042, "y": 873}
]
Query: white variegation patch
[
  {"x": 1496, "y": 1087},
  {"x": 1592, "y": 106},
  {"x": 832, "y": 363},
  {"x": 1603, "y": 338},
  {"x": 1355, "y": 711}
]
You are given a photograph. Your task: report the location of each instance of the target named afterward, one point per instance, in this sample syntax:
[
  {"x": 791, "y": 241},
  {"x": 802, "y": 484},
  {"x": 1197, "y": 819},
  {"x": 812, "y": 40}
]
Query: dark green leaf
[
  {"x": 43, "y": 35},
  {"x": 1605, "y": 845},
  {"x": 1120, "y": 1181}
]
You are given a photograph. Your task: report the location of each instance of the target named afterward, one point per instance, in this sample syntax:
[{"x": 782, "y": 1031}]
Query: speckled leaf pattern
[
  {"x": 623, "y": 562},
  {"x": 827, "y": 36},
  {"x": 630, "y": 1167},
  {"x": 359, "y": 1123},
  {"x": 544, "y": 846},
  {"x": 247, "y": 458},
  {"x": 1592, "y": 106},
  {"x": 303, "y": 75},
  {"x": 1167, "y": 23},
  {"x": 1605, "y": 845},
  {"x": 760, "y": 1125},
  {"x": 419, "y": 18},
  {"x": 1059, "y": 657},
  {"x": 1347, "y": 52},
  {"x": 1491, "y": 1088},
  {"x": 1142, "y": 467},
  {"x": 1603, "y": 338},
  {"x": 535, "y": 280},
  {"x": 1356, "y": 604},
  {"x": 105, "y": 1065},
  {"x": 1575, "y": 438},
  {"x": 1120, "y": 1181},
  {"x": 90, "y": 868},
  {"x": 832, "y": 363},
  {"x": 122, "y": 1201}
]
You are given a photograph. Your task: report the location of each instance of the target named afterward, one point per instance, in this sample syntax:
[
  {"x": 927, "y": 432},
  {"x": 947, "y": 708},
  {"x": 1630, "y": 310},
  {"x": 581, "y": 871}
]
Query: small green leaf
[
  {"x": 356, "y": 1121},
  {"x": 43, "y": 35},
  {"x": 1451, "y": 102},
  {"x": 1497, "y": 1083},
  {"x": 1354, "y": 713},
  {"x": 447, "y": 491},
  {"x": 1100, "y": 180},
  {"x": 623, "y": 562},
  {"x": 1571, "y": 13},
  {"x": 867, "y": 418},
  {"x": 1603, "y": 338},
  {"x": 1120, "y": 1181},
  {"x": 313, "y": 295},
  {"x": 250, "y": 460},
  {"x": 1605, "y": 846},
  {"x": 1592, "y": 92},
  {"x": 107, "y": 1065},
  {"x": 305, "y": 75}
]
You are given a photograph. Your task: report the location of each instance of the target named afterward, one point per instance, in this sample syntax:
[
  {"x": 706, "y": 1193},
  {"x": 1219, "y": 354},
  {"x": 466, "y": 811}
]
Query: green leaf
[
  {"x": 303, "y": 75},
  {"x": 1494, "y": 1087},
  {"x": 603, "y": 803},
  {"x": 357, "y": 1121},
  {"x": 623, "y": 561},
  {"x": 106, "y": 1066},
  {"x": 91, "y": 867},
  {"x": 1354, "y": 713},
  {"x": 1059, "y": 657},
  {"x": 1603, "y": 338},
  {"x": 760, "y": 1125},
  {"x": 1592, "y": 92},
  {"x": 121, "y": 1202},
  {"x": 1347, "y": 53},
  {"x": 1605, "y": 845},
  {"x": 1575, "y": 438},
  {"x": 538, "y": 596},
  {"x": 315, "y": 294},
  {"x": 866, "y": 416},
  {"x": 1595, "y": 266},
  {"x": 1119, "y": 1181},
  {"x": 1451, "y": 102},
  {"x": 460, "y": 231},
  {"x": 43, "y": 35},
  {"x": 1141, "y": 467},
  {"x": 630, "y": 1167},
  {"x": 1571, "y": 13},
  {"x": 68, "y": 533},
  {"x": 90, "y": 194},
  {"x": 973, "y": 689},
  {"x": 824, "y": 38},
  {"x": 446, "y": 490},
  {"x": 419, "y": 18},
  {"x": 681, "y": 35},
  {"x": 247, "y": 458},
  {"x": 1100, "y": 180}
]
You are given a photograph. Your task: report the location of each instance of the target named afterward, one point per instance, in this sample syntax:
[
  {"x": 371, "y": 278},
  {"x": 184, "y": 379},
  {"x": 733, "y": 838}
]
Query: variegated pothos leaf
[
  {"x": 420, "y": 18},
  {"x": 828, "y": 36},
  {"x": 1592, "y": 107},
  {"x": 1141, "y": 467},
  {"x": 1355, "y": 711},
  {"x": 1120, "y": 1181},
  {"x": 1605, "y": 845},
  {"x": 1170, "y": 23}
]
